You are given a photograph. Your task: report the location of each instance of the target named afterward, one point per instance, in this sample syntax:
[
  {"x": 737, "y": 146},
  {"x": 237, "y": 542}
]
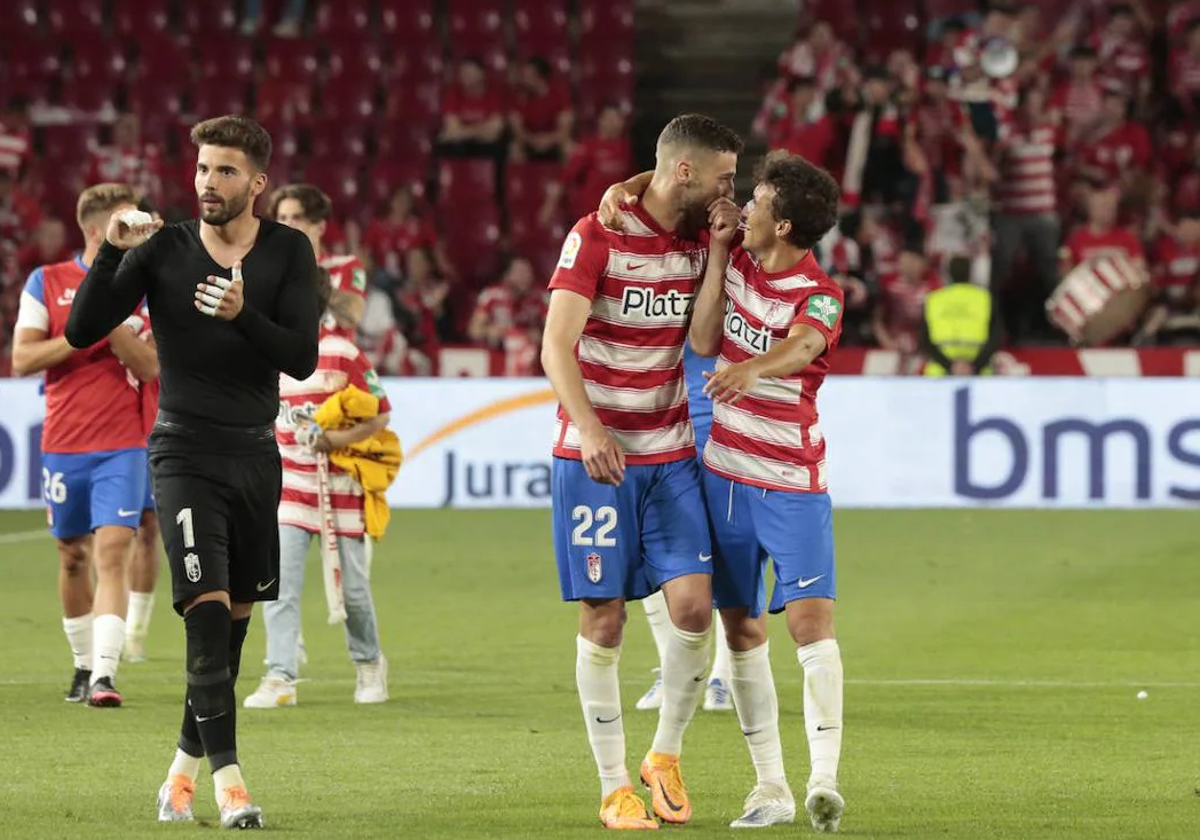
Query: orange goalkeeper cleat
[
  {"x": 661, "y": 774},
  {"x": 624, "y": 810}
]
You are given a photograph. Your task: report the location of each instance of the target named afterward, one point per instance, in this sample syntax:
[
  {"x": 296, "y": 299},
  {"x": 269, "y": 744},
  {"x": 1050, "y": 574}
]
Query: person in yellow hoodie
[{"x": 342, "y": 371}]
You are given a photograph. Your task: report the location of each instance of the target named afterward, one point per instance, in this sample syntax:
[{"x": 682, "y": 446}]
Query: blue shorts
[
  {"x": 148, "y": 504},
  {"x": 702, "y": 426},
  {"x": 627, "y": 541},
  {"x": 749, "y": 525},
  {"x": 88, "y": 490}
]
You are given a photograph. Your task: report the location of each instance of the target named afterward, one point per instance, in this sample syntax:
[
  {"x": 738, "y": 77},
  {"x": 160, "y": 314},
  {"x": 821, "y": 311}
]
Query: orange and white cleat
[
  {"x": 661, "y": 774},
  {"x": 175, "y": 799},
  {"x": 237, "y": 811},
  {"x": 624, "y": 810}
]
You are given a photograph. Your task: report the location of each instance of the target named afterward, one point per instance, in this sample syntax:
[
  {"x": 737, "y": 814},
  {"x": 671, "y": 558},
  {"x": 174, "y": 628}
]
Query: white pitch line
[
  {"x": 22, "y": 536},
  {"x": 957, "y": 681}
]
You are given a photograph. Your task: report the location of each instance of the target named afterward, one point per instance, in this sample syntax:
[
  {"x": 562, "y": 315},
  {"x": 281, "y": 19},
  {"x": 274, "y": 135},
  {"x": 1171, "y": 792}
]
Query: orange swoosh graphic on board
[{"x": 482, "y": 415}]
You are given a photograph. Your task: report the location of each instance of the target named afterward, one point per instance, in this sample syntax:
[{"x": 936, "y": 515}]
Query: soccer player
[
  {"x": 771, "y": 315},
  {"x": 627, "y": 513},
  {"x": 341, "y": 364},
  {"x": 306, "y": 208},
  {"x": 717, "y": 697},
  {"x": 222, "y": 342},
  {"x": 93, "y": 449}
]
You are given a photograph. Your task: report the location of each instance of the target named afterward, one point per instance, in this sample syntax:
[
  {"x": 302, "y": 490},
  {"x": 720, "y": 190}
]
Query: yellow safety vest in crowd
[{"x": 959, "y": 317}]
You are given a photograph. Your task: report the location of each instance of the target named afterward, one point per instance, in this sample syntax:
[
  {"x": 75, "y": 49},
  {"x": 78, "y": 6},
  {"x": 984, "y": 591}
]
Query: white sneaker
[
  {"x": 767, "y": 805},
  {"x": 271, "y": 693},
  {"x": 824, "y": 805},
  {"x": 135, "y": 648},
  {"x": 372, "y": 681},
  {"x": 717, "y": 696},
  {"x": 652, "y": 699}
]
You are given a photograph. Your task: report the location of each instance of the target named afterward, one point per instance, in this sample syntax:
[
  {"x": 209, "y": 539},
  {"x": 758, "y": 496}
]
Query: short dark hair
[
  {"x": 236, "y": 132},
  {"x": 699, "y": 131},
  {"x": 316, "y": 205},
  {"x": 805, "y": 195}
]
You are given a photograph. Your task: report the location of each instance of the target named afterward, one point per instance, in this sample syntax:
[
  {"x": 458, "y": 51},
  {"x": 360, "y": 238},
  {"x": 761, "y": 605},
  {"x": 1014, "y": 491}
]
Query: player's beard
[
  {"x": 227, "y": 211},
  {"x": 694, "y": 205}
]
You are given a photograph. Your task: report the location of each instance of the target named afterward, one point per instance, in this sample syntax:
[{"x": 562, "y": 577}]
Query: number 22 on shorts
[
  {"x": 191, "y": 561},
  {"x": 605, "y": 520}
]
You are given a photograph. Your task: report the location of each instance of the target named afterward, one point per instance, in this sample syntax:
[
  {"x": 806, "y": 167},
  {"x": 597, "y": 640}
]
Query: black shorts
[{"x": 219, "y": 516}]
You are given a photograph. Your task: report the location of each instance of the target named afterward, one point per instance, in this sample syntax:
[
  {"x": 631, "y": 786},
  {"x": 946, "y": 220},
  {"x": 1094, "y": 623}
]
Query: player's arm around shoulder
[{"x": 708, "y": 310}]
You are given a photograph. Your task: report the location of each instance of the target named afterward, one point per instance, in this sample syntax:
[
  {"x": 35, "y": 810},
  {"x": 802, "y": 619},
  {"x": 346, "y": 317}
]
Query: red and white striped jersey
[
  {"x": 340, "y": 364},
  {"x": 1027, "y": 185},
  {"x": 771, "y": 438},
  {"x": 641, "y": 283},
  {"x": 347, "y": 274}
]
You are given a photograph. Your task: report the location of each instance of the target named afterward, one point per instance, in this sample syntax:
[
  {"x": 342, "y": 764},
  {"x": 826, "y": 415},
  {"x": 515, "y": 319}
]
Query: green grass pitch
[{"x": 992, "y": 661}]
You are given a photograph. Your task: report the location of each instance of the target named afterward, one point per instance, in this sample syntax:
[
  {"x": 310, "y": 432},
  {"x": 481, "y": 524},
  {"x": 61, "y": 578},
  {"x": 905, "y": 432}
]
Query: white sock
[
  {"x": 184, "y": 765},
  {"x": 757, "y": 707},
  {"x": 721, "y": 669},
  {"x": 660, "y": 621},
  {"x": 600, "y": 697},
  {"x": 137, "y": 621},
  {"x": 684, "y": 667},
  {"x": 108, "y": 631},
  {"x": 227, "y": 777},
  {"x": 79, "y": 637},
  {"x": 822, "y": 664}
]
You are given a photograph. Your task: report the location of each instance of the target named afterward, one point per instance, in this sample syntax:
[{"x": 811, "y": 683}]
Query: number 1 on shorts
[{"x": 184, "y": 520}]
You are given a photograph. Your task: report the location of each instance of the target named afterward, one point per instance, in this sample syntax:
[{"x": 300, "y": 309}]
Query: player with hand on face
[
  {"x": 627, "y": 512},
  {"x": 233, "y": 303},
  {"x": 771, "y": 315},
  {"x": 93, "y": 448}
]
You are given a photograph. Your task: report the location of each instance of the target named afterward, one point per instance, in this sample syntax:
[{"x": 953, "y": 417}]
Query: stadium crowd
[{"x": 457, "y": 140}]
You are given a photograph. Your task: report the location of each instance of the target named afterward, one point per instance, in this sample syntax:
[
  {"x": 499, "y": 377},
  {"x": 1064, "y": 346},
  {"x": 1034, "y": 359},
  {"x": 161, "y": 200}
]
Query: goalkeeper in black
[{"x": 233, "y": 303}]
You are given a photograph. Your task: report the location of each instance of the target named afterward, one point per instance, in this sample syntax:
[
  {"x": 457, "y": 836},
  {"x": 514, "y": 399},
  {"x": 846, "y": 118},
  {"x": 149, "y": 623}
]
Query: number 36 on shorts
[{"x": 594, "y": 527}]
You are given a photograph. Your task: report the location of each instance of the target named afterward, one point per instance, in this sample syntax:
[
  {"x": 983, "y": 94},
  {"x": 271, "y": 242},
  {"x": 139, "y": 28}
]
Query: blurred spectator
[
  {"x": 900, "y": 312},
  {"x": 288, "y": 26},
  {"x": 847, "y": 254},
  {"x": 820, "y": 56},
  {"x": 1027, "y": 220},
  {"x": 389, "y": 238},
  {"x": 1101, "y": 237},
  {"x": 798, "y": 132},
  {"x": 1121, "y": 50},
  {"x": 1184, "y": 78},
  {"x": 47, "y": 246},
  {"x": 595, "y": 163},
  {"x": 1078, "y": 99},
  {"x": 1174, "y": 317},
  {"x": 509, "y": 316},
  {"x": 541, "y": 114},
  {"x": 19, "y": 215},
  {"x": 1114, "y": 148},
  {"x": 424, "y": 294},
  {"x": 472, "y": 115},
  {"x": 14, "y": 134},
  {"x": 940, "y": 123},
  {"x": 128, "y": 160}
]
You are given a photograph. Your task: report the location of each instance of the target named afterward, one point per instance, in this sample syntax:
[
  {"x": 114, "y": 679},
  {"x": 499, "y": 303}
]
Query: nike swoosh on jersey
[
  {"x": 123, "y": 512},
  {"x": 804, "y": 584}
]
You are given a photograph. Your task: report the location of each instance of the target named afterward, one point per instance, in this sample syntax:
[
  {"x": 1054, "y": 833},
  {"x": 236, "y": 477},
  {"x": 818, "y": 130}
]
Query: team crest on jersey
[
  {"x": 359, "y": 279},
  {"x": 594, "y": 570},
  {"x": 191, "y": 566},
  {"x": 374, "y": 385},
  {"x": 570, "y": 250},
  {"x": 823, "y": 308}
]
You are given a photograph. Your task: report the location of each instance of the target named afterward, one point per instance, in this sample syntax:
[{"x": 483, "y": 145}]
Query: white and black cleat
[
  {"x": 824, "y": 805},
  {"x": 767, "y": 805}
]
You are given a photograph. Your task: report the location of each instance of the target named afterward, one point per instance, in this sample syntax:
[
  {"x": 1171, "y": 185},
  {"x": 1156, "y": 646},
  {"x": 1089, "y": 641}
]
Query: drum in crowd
[{"x": 1099, "y": 300}]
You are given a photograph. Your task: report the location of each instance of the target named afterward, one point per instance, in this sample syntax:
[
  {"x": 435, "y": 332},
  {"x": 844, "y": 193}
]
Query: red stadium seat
[
  {"x": 289, "y": 58},
  {"x": 71, "y": 142},
  {"x": 33, "y": 62},
  {"x": 154, "y": 98},
  {"x": 69, "y": 21},
  {"x": 336, "y": 139},
  {"x": 417, "y": 64},
  {"x": 225, "y": 60},
  {"x": 139, "y": 18},
  {"x": 407, "y": 22},
  {"x": 215, "y": 100},
  {"x": 89, "y": 94},
  {"x": 540, "y": 244},
  {"x": 541, "y": 27},
  {"x": 344, "y": 102},
  {"x": 164, "y": 57},
  {"x": 340, "y": 178},
  {"x": 476, "y": 26},
  {"x": 471, "y": 234},
  {"x": 473, "y": 181},
  {"x": 893, "y": 25},
  {"x": 387, "y": 176},
  {"x": 402, "y": 139},
  {"x": 93, "y": 59},
  {"x": 606, "y": 19},
  {"x": 284, "y": 101},
  {"x": 356, "y": 64},
  {"x": 212, "y": 17},
  {"x": 526, "y": 185},
  {"x": 414, "y": 103},
  {"x": 337, "y": 17},
  {"x": 841, "y": 15},
  {"x": 19, "y": 21}
]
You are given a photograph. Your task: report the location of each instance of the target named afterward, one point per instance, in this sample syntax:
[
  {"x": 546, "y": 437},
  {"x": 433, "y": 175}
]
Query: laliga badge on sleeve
[{"x": 570, "y": 250}]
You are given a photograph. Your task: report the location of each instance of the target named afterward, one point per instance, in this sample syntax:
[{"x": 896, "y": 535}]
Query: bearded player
[
  {"x": 93, "y": 449},
  {"x": 771, "y": 315},
  {"x": 627, "y": 512}
]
